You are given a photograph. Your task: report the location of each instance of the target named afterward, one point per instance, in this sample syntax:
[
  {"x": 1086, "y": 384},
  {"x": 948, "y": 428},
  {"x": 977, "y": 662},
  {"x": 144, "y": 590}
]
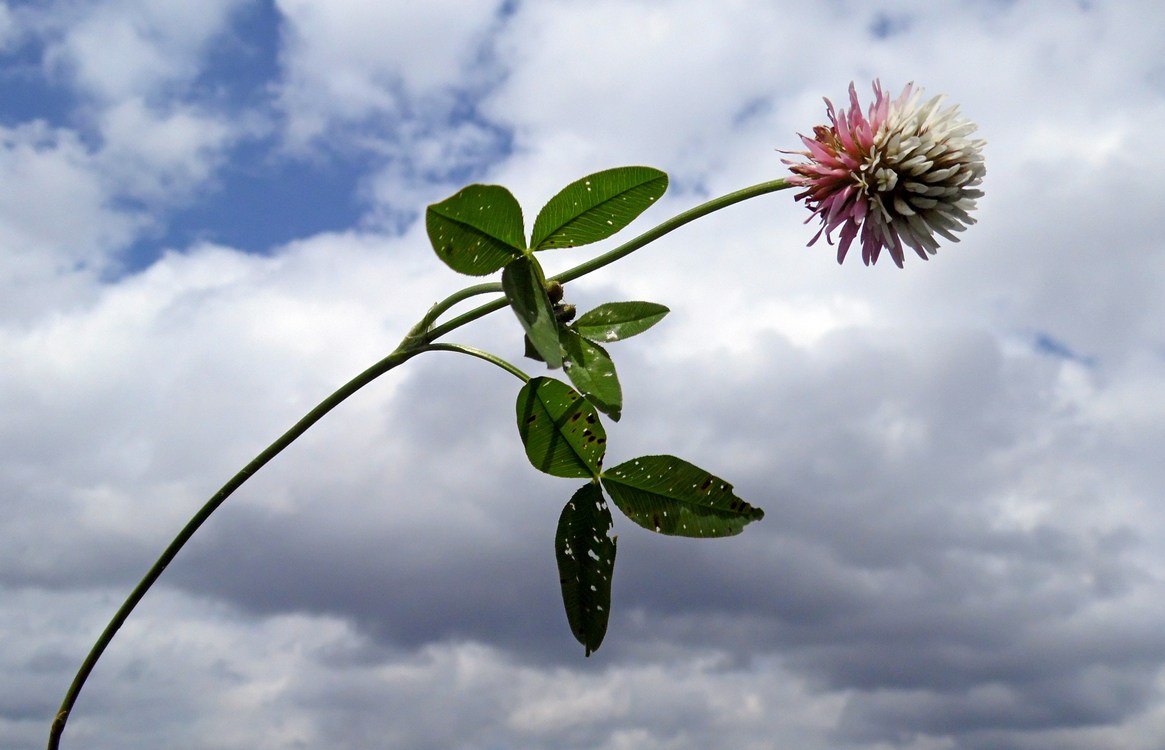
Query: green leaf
[
  {"x": 591, "y": 370},
  {"x": 596, "y": 207},
  {"x": 530, "y": 351},
  {"x": 671, "y": 496},
  {"x": 560, "y": 429},
  {"x": 525, "y": 288},
  {"x": 615, "y": 321},
  {"x": 478, "y": 230},
  {"x": 586, "y": 560}
]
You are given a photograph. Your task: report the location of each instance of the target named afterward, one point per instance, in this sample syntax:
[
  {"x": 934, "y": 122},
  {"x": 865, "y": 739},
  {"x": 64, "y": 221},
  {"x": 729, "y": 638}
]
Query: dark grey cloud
[{"x": 882, "y": 568}]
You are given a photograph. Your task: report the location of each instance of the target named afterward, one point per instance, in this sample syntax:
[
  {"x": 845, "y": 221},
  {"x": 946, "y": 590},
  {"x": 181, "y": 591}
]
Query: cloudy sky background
[{"x": 209, "y": 220}]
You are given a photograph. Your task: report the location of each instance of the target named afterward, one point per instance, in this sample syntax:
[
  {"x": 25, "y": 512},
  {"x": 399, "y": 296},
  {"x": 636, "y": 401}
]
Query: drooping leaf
[
  {"x": 525, "y": 288},
  {"x": 591, "y": 370},
  {"x": 560, "y": 429},
  {"x": 477, "y": 230},
  {"x": 597, "y": 206},
  {"x": 586, "y": 560},
  {"x": 671, "y": 496},
  {"x": 615, "y": 321}
]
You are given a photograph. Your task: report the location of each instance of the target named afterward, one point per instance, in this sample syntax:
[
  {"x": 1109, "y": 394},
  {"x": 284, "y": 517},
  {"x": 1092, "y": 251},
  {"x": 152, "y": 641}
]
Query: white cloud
[
  {"x": 962, "y": 541},
  {"x": 162, "y": 156},
  {"x": 75, "y": 195},
  {"x": 52, "y": 198},
  {"x": 68, "y": 210},
  {"x": 157, "y": 349},
  {"x": 128, "y": 48},
  {"x": 8, "y": 31},
  {"x": 595, "y": 75},
  {"x": 351, "y": 61},
  {"x": 56, "y": 221}
]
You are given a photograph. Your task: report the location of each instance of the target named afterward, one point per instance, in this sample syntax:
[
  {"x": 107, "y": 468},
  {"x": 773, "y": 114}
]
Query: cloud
[
  {"x": 56, "y": 220},
  {"x": 8, "y": 32},
  {"x": 957, "y": 460},
  {"x": 130, "y": 48},
  {"x": 307, "y": 680},
  {"x": 396, "y": 88},
  {"x": 353, "y": 62},
  {"x": 161, "y": 157},
  {"x": 81, "y": 190},
  {"x": 70, "y": 209}
]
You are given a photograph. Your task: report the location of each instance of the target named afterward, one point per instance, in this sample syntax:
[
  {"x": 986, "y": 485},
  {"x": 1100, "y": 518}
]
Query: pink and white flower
[{"x": 898, "y": 175}]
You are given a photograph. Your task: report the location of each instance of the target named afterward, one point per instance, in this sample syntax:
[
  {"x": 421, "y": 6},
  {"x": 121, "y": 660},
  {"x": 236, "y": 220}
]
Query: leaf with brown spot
[
  {"x": 671, "y": 496},
  {"x": 554, "y": 427}
]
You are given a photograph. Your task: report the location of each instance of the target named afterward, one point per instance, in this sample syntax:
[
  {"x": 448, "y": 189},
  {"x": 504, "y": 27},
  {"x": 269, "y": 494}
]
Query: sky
[{"x": 211, "y": 217}]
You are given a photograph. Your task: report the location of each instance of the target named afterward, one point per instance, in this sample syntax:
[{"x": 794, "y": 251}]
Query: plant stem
[
  {"x": 677, "y": 221},
  {"x": 419, "y": 339},
  {"x": 492, "y": 358},
  {"x": 623, "y": 250},
  {"x": 417, "y": 334}
]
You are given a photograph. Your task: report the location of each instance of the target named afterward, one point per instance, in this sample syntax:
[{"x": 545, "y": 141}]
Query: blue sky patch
[
  {"x": 25, "y": 94},
  {"x": 261, "y": 202},
  {"x": 1047, "y": 344},
  {"x": 240, "y": 66}
]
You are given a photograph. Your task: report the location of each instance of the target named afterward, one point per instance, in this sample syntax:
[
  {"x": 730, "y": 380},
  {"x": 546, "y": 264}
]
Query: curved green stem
[
  {"x": 417, "y": 334},
  {"x": 677, "y": 221},
  {"x": 419, "y": 339},
  {"x": 625, "y": 249},
  {"x": 480, "y": 354}
]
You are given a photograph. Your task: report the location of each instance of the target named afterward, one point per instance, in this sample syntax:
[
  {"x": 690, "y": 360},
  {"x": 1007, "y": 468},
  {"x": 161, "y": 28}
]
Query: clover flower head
[{"x": 899, "y": 174}]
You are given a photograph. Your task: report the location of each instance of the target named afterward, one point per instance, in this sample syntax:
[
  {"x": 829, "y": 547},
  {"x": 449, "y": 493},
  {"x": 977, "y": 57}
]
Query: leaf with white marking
[
  {"x": 597, "y": 206},
  {"x": 668, "y": 495},
  {"x": 585, "y": 551},
  {"x": 478, "y": 230}
]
